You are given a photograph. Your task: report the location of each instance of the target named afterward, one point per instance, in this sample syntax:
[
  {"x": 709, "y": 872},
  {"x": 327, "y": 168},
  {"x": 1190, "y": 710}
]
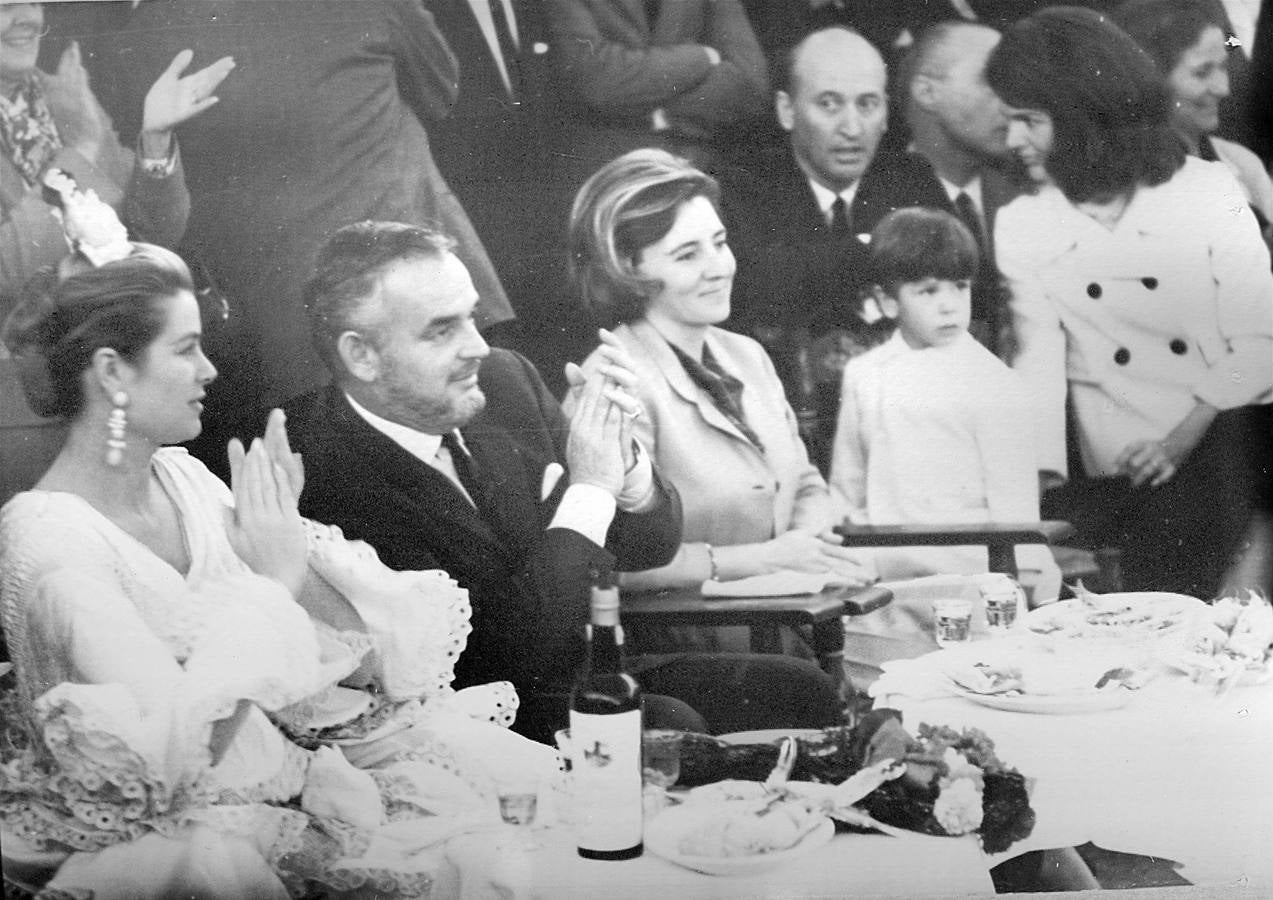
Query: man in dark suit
[
  {"x": 958, "y": 159},
  {"x": 442, "y": 453},
  {"x": 495, "y": 149},
  {"x": 796, "y": 222}
]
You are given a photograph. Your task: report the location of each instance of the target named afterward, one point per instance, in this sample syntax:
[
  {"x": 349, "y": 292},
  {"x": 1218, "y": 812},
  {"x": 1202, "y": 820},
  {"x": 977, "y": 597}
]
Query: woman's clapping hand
[
  {"x": 81, "y": 121},
  {"x": 265, "y": 526}
]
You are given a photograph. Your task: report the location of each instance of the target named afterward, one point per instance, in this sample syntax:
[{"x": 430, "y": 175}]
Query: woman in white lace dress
[{"x": 187, "y": 656}]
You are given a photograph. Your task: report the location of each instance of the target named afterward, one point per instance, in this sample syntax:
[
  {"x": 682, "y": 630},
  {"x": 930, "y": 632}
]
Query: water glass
[
  {"x": 952, "y": 620},
  {"x": 518, "y": 806},
  {"x": 1002, "y": 597},
  {"x": 661, "y": 757}
]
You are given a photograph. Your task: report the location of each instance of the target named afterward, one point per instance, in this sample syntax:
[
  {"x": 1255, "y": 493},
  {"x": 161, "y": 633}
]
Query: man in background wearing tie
[
  {"x": 495, "y": 150},
  {"x": 958, "y": 159},
  {"x": 441, "y": 452},
  {"x": 794, "y": 222}
]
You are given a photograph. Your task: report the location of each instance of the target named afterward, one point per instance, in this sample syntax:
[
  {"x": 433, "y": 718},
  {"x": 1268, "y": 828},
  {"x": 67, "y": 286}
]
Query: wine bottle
[{"x": 605, "y": 732}]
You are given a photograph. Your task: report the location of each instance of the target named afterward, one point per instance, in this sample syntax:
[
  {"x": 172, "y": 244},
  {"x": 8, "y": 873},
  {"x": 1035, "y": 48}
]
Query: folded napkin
[
  {"x": 772, "y": 584},
  {"x": 918, "y": 679}
]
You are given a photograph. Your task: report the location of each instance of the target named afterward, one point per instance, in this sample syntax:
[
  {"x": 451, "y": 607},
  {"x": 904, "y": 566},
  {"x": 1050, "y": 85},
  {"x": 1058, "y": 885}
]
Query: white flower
[{"x": 958, "y": 806}]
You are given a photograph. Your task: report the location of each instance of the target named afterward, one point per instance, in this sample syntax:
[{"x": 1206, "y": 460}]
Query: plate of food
[
  {"x": 1231, "y": 646},
  {"x": 1047, "y": 685},
  {"x": 738, "y": 837},
  {"x": 1124, "y": 616}
]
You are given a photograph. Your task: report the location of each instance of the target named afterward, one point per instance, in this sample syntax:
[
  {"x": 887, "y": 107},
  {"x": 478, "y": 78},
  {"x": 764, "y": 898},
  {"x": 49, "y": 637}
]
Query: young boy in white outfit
[{"x": 932, "y": 426}]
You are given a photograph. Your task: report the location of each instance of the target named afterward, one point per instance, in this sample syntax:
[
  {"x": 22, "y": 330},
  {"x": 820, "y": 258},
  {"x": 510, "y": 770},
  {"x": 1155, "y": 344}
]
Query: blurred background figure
[
  {"x": 496, "y": 151},
  {"x": 1187, "y": 39},
  {"x": 958, "y": 151},
  {"x": 685, "y": 75},
  {"x": 53, "y": 120},
  {"x": 324, "y": 125}
]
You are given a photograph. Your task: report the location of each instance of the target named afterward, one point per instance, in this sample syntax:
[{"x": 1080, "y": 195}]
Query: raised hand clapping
[{"x": 265, "y": 527}]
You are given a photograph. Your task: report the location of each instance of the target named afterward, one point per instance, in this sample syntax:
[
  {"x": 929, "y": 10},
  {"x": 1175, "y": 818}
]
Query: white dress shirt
[
  {"x": 826, "y": 199},
  {"x": 584, "y": 508},
  {"x": 482, "y": 13},
  {"x": 973, "y": 190}
]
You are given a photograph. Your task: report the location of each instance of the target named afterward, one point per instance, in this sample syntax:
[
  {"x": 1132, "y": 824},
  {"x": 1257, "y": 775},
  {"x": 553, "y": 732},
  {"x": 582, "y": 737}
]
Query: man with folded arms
[{"x": 441, "y": 452}]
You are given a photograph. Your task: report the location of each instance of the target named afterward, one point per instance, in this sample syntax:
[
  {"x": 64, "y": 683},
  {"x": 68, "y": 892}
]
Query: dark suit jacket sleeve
[
  {"x": 634, "y": 77},
  {"x": 636, "y": 540},
  {"x": 737, "y": 88},
  {"x": 428, "y": 72}
]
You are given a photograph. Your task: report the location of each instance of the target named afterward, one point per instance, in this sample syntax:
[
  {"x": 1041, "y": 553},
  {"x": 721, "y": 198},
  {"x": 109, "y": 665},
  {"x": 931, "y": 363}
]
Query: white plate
[
  {"x": 1165, "y": 614},
  {"x": 663, "y": 837},
  {"x": 768, "y": 735},
  {"x": 1054, "y": 704}
]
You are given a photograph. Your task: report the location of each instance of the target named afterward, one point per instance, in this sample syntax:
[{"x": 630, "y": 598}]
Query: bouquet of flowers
[{"x": 952, "y": 782}]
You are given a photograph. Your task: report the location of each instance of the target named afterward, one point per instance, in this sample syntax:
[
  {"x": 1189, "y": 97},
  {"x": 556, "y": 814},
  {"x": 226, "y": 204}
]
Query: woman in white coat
[{"x": 1138, "y": 279}]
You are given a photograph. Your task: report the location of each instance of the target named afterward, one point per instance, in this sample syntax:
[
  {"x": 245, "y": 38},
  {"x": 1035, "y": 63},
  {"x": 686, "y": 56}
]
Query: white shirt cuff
[{"x": 587, "y": 509}]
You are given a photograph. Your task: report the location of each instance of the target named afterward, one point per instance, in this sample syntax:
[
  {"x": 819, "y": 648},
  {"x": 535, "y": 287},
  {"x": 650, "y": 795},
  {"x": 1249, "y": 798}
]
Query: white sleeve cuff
[{"x": 587, "y": 509}]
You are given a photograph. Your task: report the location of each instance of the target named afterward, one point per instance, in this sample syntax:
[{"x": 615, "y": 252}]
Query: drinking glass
[
  {"x": 952, "y": 620},
  {"x": 661, "y": 757},
  {"x": 518, "y": 805},
  {"x": 1002, "y": 597}
]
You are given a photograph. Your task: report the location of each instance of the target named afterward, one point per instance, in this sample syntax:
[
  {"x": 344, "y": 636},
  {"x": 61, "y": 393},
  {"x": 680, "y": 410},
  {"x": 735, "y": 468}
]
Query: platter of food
[
  {"x": 738, "y": 837},
  {"x": 1231, "y": 646},
  {"x": 1056, "y": 705},
  {"x": 1129, "y": 616},
  {"x": 1046, "y": 685}
]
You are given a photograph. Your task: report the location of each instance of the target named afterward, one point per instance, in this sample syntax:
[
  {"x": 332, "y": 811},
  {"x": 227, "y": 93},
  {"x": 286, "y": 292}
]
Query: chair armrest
[{"x": 988, "y": 534}]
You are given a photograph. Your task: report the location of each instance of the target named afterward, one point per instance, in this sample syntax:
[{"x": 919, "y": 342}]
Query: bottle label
[{"x": 606, "y": 779}]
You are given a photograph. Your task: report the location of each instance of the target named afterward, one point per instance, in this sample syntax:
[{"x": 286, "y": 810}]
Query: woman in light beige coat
[{"x": 648, "y": 249}]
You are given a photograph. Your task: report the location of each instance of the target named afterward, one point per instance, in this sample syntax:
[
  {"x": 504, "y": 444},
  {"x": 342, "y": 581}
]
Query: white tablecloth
[
  {"x": 861, "y": 866},
  {"x": 1177, "y": 773}
]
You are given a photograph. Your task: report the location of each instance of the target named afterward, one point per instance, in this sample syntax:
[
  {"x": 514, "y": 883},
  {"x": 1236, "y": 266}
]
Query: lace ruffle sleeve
[{"x": 418, "y": 621}]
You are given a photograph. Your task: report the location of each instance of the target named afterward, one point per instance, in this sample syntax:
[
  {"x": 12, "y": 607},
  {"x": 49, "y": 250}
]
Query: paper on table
[{"x": 772, "y": 584}]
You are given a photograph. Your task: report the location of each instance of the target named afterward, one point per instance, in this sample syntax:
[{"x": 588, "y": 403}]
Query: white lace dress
[{"x": 123, "y": 664}]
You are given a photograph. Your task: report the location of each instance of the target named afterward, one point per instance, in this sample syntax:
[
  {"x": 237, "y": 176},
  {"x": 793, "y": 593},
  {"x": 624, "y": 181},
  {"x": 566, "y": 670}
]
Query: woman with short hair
[
  {"x": 648, "y": 250},
  {"x": 1139, "y": 281}
]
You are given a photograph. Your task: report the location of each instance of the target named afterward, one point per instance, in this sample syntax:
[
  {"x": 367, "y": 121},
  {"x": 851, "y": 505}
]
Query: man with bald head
[
  {"x": 958, "y": 159},
  {"x": 796, "y": 221}
]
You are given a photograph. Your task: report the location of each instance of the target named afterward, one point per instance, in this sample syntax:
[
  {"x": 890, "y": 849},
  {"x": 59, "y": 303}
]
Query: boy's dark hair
[{"x": 915, "y": 243}]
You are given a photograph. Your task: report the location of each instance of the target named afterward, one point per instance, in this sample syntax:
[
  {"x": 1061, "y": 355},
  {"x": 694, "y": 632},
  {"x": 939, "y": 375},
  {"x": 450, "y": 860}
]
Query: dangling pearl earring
[{"x": 115, "y": 424}]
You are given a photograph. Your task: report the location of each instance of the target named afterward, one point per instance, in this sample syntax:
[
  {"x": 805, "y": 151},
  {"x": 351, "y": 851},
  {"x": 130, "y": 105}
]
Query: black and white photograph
[{"x": 562, "y": 449}]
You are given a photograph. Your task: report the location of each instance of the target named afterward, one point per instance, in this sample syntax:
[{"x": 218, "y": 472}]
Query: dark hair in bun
[{"x": 59, "y": 324}]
